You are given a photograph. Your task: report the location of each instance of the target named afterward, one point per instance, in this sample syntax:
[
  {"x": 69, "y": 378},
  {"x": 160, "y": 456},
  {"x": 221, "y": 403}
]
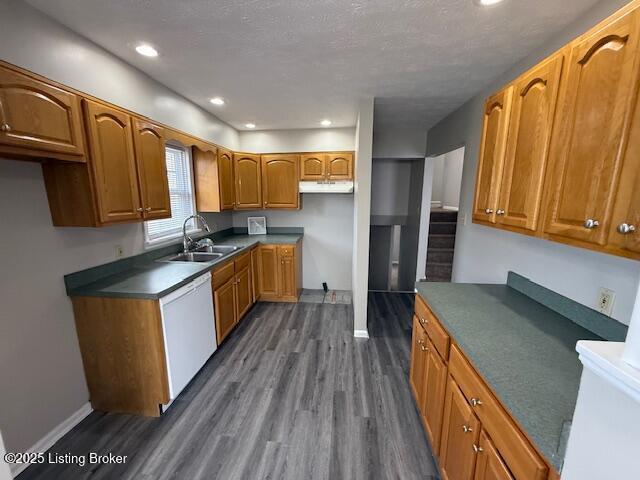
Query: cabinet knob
[
  {"x": 420, "y": 341},
  {"x": 488, "y": 211},
  {"x": 423, "y": 348},
  {"x": 500, "y": 212},
  {"x": 423, "y": 321},
  {"x": 467, "y": 429},
  {"x": 590, "y": 223},
  {"x": 476, "y": 402},
  {"x": 139, "y": 209},
  {"x": 625, "y": 228},
  {"x": 5, "y": 127},
  {"x": 148, "y": 209},
  {"x": 477, "y": 448}
]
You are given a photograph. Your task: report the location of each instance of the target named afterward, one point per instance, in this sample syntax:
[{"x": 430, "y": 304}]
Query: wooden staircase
[{"x": 442, "y": 237}]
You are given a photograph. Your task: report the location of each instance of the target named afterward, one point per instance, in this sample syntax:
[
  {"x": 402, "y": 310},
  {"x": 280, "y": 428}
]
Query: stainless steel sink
[
  {"x": 195, "y": 257},
  {"x": 223, "y": 249}
]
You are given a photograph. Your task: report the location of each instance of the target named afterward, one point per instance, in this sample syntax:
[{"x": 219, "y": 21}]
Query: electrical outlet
[
  {"x": 119, "y": 251},
  {"x": 606, "y": 298}
]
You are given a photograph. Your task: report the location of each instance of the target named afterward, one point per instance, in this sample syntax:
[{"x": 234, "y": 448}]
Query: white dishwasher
[{"x": 188, "y": 325}]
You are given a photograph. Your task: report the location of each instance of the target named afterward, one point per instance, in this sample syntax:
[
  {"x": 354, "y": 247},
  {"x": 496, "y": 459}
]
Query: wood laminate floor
[{"x": 290, "y": 394}]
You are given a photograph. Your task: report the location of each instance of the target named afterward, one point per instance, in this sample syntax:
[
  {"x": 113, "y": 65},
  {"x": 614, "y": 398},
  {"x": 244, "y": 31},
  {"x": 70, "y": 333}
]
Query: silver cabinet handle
[
  {"x": 423, "y": 321},
  {"x": 148, "y": 209},
  {"x": 467, "y": 429},
  {"x": 477, "y": 449},
  {"x": 5, "y": 127},
  {"x": 423, "y": 348},
  {"x": 476, "y": 402},
  {"x": 590, "y": 223},
  {"x": 488, "y": 211},
  {"x": 500, "y": 212},
  {"x": 420, "y": 341},
  {"x": 625, "y": 228}
]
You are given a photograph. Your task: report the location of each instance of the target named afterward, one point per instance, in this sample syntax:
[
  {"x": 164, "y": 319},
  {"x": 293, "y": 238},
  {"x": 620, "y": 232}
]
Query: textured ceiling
[{"x": 291, "y": 63}]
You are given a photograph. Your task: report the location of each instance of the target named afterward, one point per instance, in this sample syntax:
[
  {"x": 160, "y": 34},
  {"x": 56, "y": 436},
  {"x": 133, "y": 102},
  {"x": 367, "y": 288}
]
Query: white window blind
[{"x": 181, "y": 193}]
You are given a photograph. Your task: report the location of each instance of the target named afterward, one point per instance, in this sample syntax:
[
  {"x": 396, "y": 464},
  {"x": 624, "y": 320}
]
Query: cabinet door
[
  {"x": 255, "y": 289},
  {"x": 225, "y": 177},
  {"x": 418, "y": 363},
  {"x": 280, "y": 181},
  {"x": 39, "y": 116},
  {"x": 243, "y": 292},
  {"x": 530, "y": 127},
  {"x": 268, "y": 270},
  {"x": 492, "y": 150},
  {"x": 459, "y": 436},
  {"x": 224, "y": 299},
  {"x": 287, "y": 272},
  {"x": 340, "y": 166},
  {"x": 248, "y": 181},
  {"x": 434, "y": 392},
  {"x": 592, "y": 125},
  {"x": 206, "y": 180},
  {"x": 152, "y": 170},
  {"x": 312, "y": 166},
  {"x": 113, "y": 162},
  {"x": 490, "y": 465}
]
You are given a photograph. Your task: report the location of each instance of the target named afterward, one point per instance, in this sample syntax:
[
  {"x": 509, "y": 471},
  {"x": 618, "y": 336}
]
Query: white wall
[
  {"x": 484, "y": 254},
  {"x": 5, "y": 472},
  {"x": 390, "y": 187},
  {"x": 327, "y": 246},
  {"x": 428, "y": 185},
  {"x": 303, "y": 140},
  {"x": 402, "y": 141},
  {"x": 452, "y": 177},
  {"x": 37, "y": 332},
  {"x": 437, "y": 182},
  {"x": 361, "y": 214},
  {"x": 327, "y": 219}
]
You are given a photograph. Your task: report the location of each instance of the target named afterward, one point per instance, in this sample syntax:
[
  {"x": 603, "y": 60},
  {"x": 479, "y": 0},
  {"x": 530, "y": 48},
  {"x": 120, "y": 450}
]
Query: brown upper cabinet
[
  {"x": 530, "y": 125},
  {"x": 214, "y": 180},
  {"x": 39, "y": 120},
  {"x": 280, "y": 181},
  {"x": 113, "y": 161},
  {"x": 248, "y": 181},
  {"x": 570, "y": 169},
  {"x": 494, "y": 141},
  {"x": 152, "y": 169},
  {"x": 326, "y": 166},
  {"x": 592, "y": 126},
  {"x": 226, "y": 179}
]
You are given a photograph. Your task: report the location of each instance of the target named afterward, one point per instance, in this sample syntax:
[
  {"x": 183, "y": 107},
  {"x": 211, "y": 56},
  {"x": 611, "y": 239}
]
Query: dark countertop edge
[{"x": 87, "y": 291}]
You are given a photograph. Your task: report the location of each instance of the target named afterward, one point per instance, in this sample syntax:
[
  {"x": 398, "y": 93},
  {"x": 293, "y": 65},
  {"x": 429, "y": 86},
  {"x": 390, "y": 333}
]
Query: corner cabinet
[
  {"x": 38, "y": 119},
  {"x": 494, "y": 141},
  {"x": 570, "y": 168},
  {"x": 280, "y": 272},
  {"x": 280, "y": 181}
]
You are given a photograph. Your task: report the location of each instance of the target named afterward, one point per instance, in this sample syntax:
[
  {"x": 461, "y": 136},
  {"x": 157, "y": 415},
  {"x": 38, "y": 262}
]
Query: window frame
[{"x": 171, "y": 238}]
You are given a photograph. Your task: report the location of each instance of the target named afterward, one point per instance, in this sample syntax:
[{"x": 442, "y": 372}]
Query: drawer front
[
  {"x": 286, "y": 250},
  {"x": 432, "y": 326},
  {"x": 513, "y": 446},
  {"x": 243, "y": 261},
  {"x": 222, "y": 274}
]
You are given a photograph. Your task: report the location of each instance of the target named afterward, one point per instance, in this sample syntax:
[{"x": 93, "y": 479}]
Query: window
[{"x": 182, "y": 201}]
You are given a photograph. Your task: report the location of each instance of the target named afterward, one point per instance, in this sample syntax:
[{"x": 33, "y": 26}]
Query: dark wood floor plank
[{"x": 290, "y": 394}]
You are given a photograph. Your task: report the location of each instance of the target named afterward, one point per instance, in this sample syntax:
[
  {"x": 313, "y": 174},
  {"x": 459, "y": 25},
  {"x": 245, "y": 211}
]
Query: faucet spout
[{"x": 187, "y": 241}]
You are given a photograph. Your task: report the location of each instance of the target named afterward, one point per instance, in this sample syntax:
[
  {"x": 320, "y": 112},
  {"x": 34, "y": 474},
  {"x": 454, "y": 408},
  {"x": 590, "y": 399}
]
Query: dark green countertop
[
  {"x": 152, "y": 279},
  {"x": 524, "y": 350}
]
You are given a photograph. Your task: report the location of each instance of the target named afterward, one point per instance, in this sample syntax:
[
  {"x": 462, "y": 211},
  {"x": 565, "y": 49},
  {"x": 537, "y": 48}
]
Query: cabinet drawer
[
  {"x": 432, "y": 326},
  {"x": 286, "y": 250},
  {"x": 519, "y": 454},
  {"x": 242, "y": 261},
  {"x": 222, "y": 274}
]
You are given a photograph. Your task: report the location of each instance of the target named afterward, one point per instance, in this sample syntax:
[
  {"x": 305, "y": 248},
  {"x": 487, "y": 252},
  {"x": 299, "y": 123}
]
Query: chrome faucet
[{"x": 188, "y": 242}]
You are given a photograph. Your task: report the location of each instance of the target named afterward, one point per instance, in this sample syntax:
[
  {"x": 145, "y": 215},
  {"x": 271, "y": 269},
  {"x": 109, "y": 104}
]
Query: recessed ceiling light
[
  {"x": 487, "y": 3},
  {"x": 250, "y": 125},
  {"x": 217, "y": 101},
  {"x": 146, "y": 50},
  {"x": 325, "y": 123}
]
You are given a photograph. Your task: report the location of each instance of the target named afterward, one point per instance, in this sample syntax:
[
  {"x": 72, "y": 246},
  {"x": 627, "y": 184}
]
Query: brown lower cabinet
[
  {"x": 279, "y": 272},
  {"x": 232, "y": 293},
  {"x": 471, "y": 434}
]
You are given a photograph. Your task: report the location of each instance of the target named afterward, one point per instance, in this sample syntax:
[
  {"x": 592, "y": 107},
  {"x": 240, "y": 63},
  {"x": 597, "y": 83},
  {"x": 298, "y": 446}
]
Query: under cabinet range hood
[{"x": 338, "y": 186}]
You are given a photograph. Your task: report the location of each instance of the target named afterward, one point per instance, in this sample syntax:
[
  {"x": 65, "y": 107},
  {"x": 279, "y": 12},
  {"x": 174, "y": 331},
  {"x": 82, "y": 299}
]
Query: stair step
[
  {"x": 443, "y": 216},
  {"x": 438, "y": 272},
  {"x": 439, "y": 255},
  {"x": 441, "y": 241},
  {"x": 443, "y": 228}
]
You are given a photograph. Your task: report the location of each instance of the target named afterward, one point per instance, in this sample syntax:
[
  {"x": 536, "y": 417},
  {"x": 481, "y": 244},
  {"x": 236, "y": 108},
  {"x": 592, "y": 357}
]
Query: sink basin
[
  {"x": 195, "y": 257},
  {"x": 222, "y": 249}
]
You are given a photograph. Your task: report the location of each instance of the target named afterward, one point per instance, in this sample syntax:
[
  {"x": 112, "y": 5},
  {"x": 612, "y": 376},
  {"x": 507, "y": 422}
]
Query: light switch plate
[
  {"x": 606, "y": 299},
  {"x": 119, "y": 251}
]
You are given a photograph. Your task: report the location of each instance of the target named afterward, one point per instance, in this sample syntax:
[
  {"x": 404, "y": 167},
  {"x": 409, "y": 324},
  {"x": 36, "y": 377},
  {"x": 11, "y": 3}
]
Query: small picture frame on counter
[{"x": 257, "y": 225}]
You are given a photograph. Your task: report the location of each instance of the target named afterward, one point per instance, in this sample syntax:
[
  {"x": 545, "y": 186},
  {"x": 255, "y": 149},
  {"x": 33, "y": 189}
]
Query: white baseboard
[
  {"x": 436, "y": 203},
  {"x": 450, "y": 208},
  {"x": 46, "y": 442},
  {"x": 361, "y": 333}
]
